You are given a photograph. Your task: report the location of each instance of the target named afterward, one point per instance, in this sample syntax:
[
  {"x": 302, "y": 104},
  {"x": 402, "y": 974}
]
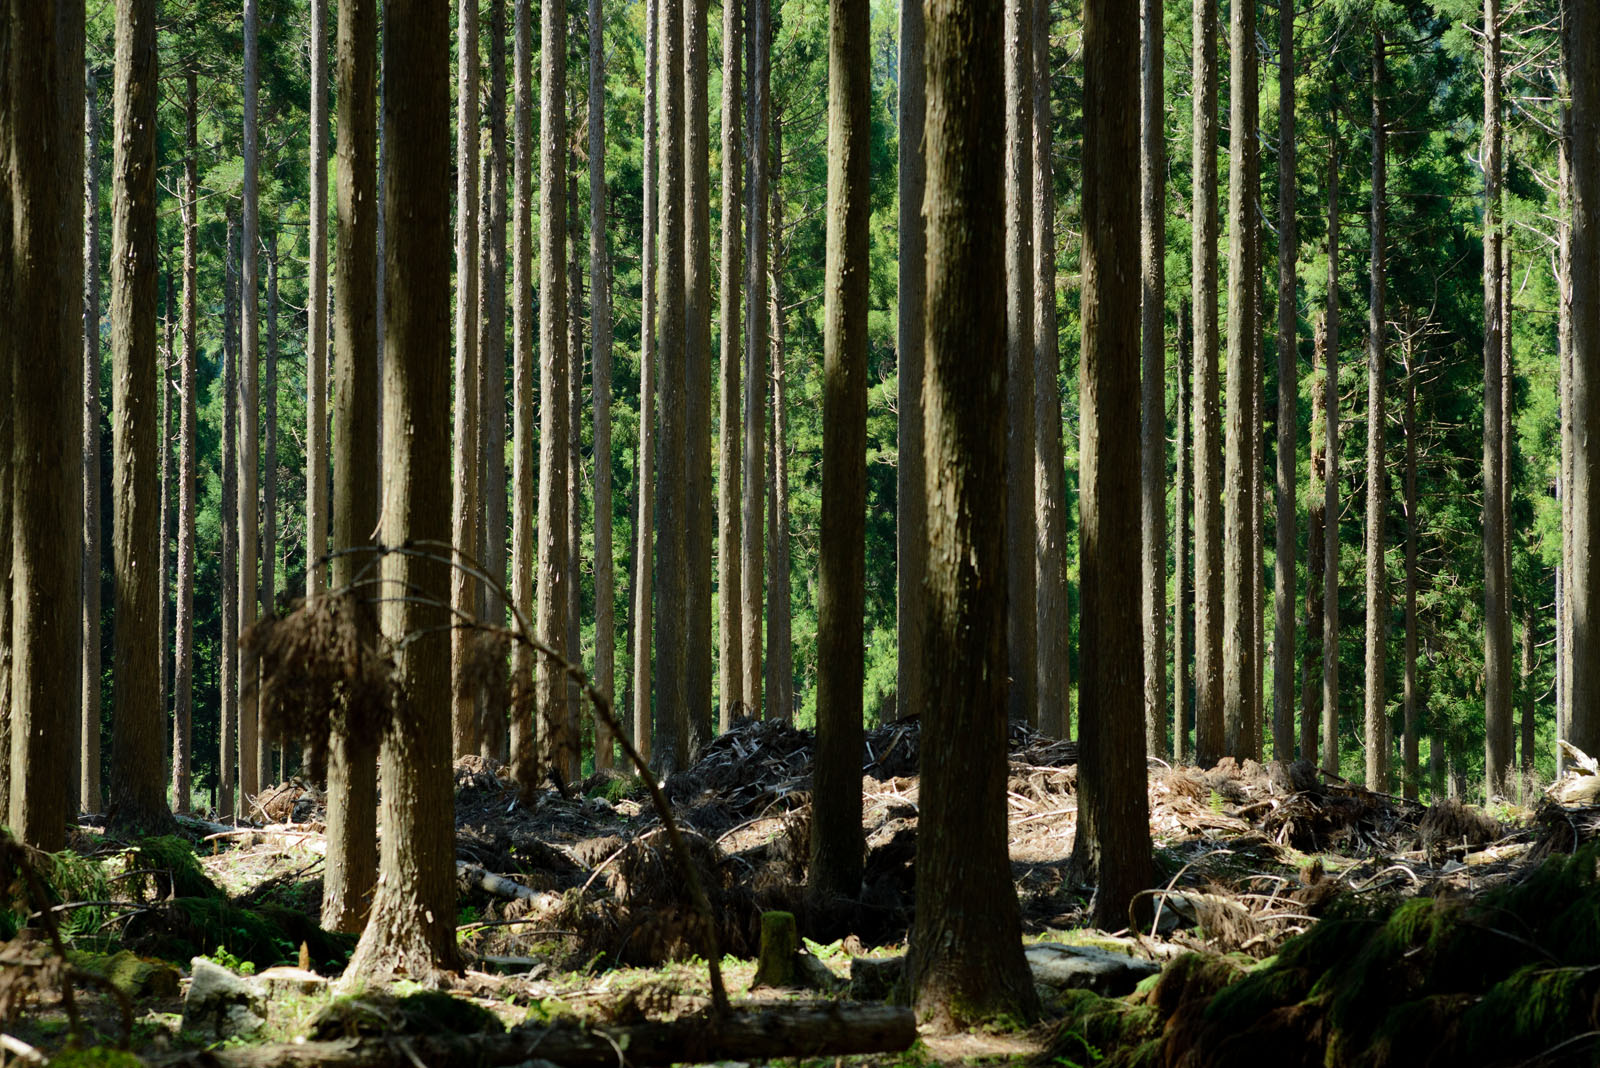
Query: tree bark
[
  {"x": 1525, "y": 745},
  {"x": 492, "y": 359},
  {"x": 757, "y": 49},
  {"x": 1564, "y": 344},
  {"x": 183, "y": 670},
  {"x": 730, "y": 632},
  {"x": 269, "y": 486},
  {"x": 1208, "y": 613},
  {"x": 605, "y": 638},
  {"x": 317, "y": 313},
  {"x": 164, "y": 365},
  {"x": 91, "y": 676},
  {"x": 465, "y": 730},
  {"x": 228, "y": 735},
  {"x": 45, "y": 92},
  {"x": 412, "y": 928},
  {"x": 525, "y": 703},
  {"x": 911, "y": 508},
  {"x": 1330, "y": 483},
  {"x": 965, "y": 960},
  {"x": 1316, "y": 562},
  {"x": 1377, "y": 706},
  {"x": 1410, "y": 777},
  {"x": 249, "y": 407},
  {"x": 700, "y": 532},
  {"x": 780, "y": 644},
  {"x": 1183, "y": 571},
  {"x": 1022, "y": 645},
  {"x": 1283, "y": 568},
  {"x": 1113, "y": 839},
  {"x": 7, "y": 349},
  {"x": 644, "y": 528},
  {"x": 1153, "y": 365},
  {"x": 351, "y": 873},
  {"x": 573, "y": 771}
]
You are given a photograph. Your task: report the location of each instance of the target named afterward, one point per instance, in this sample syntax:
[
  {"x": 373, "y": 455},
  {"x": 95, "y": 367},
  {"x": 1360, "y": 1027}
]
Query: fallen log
[{"x": 805, "y": 1030}]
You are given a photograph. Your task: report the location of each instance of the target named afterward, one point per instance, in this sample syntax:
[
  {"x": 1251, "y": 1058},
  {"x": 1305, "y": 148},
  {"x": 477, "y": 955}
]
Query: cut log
[{"x": 809, "y": 1030}]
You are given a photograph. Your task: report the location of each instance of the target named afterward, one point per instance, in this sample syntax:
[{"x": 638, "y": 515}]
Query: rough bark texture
[
  {"x": 317, "y": 313},
  {"x": 412, "y": 929},
  {"x": 573, "y": 770},
  {"x": 837, "y": 850},
  {"x": 730, "y": 643},
  {"x": 524, "y": 705},
  {"x": 492, "y": 358},
  {"x": 465, "y": 730},
  {"x": 87, "y": 729},
  {"x": 780, "y": 644},
  {"x": 700, "y": 534},
  {"x": 911, "y": 507},
  {"x": 1377, "y": 739},
  {"x": 249, "y": 406},
  {"x": 644, "y": 528},
  {"x": 45, "y": 92},
  {"x": 605, "y": 637},
  {"x": 1021, "y": 531},
  {"x": 164, "y": 366},
  {"x": 7, "y": 349},
  {"x": 1330, "y": 484},
  {"x": 1153, "y": 369},
  {"x": 351, "y": 871},
  {"x": 1049, "y": 478},
  {"x": 965, "y": 958},
  {"x": 1311, "y": 675},
  {"x": 1183, "y": 570},
  {"x": 269, "y": 484},
  {"x": 183, "y": 613},
  {"x": 1583, "y": 64},
  {"x": 1207, "y": 404},
  {"x": 228, "y": 703},
  {"x": 751, "y": 566},
  {"x": 1238, "y": 671},
  {"x": 1283, "y": 568},
  {"x": 1412, "y": 720},
  {"x": 1113, "y": 839}
]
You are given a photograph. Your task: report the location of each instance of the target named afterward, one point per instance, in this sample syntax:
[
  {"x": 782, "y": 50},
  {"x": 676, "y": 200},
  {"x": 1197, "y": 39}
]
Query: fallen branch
[
  {"x": 21, "y": 1050},
  {"x": 823, "y": 1029}
]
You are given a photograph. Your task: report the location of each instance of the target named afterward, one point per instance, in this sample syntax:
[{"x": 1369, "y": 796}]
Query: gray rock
[
  {"x": 221, "y": 1003},
  {"x": 1064, "y": 967}
]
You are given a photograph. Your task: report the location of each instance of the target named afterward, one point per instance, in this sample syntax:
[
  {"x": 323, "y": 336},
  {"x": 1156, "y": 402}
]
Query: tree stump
[{"x": 780, "y": 945}]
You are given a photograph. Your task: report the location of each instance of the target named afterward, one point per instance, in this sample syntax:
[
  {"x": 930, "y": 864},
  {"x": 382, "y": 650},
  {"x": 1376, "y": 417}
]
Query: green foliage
[
  {"x": 172, "y": 869},
  {"x": 95, "y": 1057},
  {"x": 263, "y": 934}
]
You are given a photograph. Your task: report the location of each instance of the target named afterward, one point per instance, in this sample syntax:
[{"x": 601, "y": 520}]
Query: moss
[
  {"x": 133, "y": 975},
  {"x": 95, "y": 1057},
  {"x": 175, "y": 872},
  {"x": 431, "y": 1011},
  {"x": 264, "y": 935}
]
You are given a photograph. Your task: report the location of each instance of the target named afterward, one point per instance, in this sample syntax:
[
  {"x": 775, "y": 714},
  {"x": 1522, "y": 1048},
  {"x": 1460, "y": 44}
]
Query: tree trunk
[
  {"x": 1021, "y": 579},
  {"x": 757, "y": 48},
  {"x": 1208, "y": 614},
  {"x": 1564, "y": 574},
  {"x": 1316, "y": 561},
  {"x": 1412, "y": 716},
  {"x": 700, "y": 532},
  {"x": 1283, "y": 568},
  {"x": 412, "y": 929},
  {"x": 91, "y": 676},
  {"x": 911, "y": 508},
  {"x": 228, "y": 704},
  {"x": 1113, "y": 840},
  {"x": 317, "y": 315},
  {"x": 1377, "y": 737},
  {"x": 605, "y": 639},
  {"x": 1049, "y": 479},
  {"x": 1527, "y": 727},
  {"x": 7, "y": 347},
  {"x": 730, "y": 640},
  {"x": 780, "y": 652},
  {"x": 269, "y": 487},
  {"x": 644, "y": 528},
  {"x": 249, "y": 409},
  {"x": 525, "y": 703},
  {"x": 466, "y": 732},
  {"x": 1243, "y": 318},
  {"x": 1330, "y": 483},
  {"x": 183, "y": 614},
  {"x": 573, "y": 771},
  {"x": 164, "y": 519},
  {"x": 45, "y": 92},
  {"x": 1183, "y": 573},
  {"x": 1583, "y": 65},
  {"x": 837, "y": 850},
  {"x": 351, "y": 871},
  {"x": 965, "y": 960},
  {"x": 1153, "y": 363}
]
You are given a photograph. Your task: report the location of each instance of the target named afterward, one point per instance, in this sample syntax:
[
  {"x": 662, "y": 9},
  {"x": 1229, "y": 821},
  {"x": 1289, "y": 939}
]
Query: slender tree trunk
[
  {"x": 911, "y": 508},
  {"x": 7, "y": 353},
  {"x": 1049, "y": 479},
  {"x": 757, "y": 48},
  {"x": 1243, "y": 316},
  {"x": 249, "y": 409},
  {"x": 1564, "y": 345},
  {"x": 1153, "y": 363},
  {"x": 1209, "y": 739},
  {"x": 1283, "y": 569},
  {"x": 1377, "y": 473},
  {"x": 45, "y": 93},
  {"x": 228, "y": 735},
  {"x": 644, "y": 528},
  {"x": 965, "y": 959},
  {"x": 1527, "y": 725},
  {"x": 351, "y": 873},
  {"x": 164, "y": 521},
  {"x": 1311, "y": 677},
  {"x": 700, "y": 531},
  {"x": 1022, "y": 621},
  {"x": 317, "y": 315},
  {"x": 605, "y": 638},
  {"x": 466, "y": 732},
  {"x": 573, "y": 772},
  {"x": 1412, "y": 714},
  {"x": 269, "y": 485},
  {"x": 525, "y": 703},
  {"x": 1330, "y": 483},
  {"x": 730, "y": 641},
  {"x": 1183, "y": 572},
  {"x": 183, "y": 671},
  {"x": 780, "y": 653},
  {"x": 90, "y": 674}
]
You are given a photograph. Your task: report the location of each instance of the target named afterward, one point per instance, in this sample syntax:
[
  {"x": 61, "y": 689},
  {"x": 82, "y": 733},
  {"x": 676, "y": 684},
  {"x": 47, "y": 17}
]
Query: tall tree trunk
[
  {"x": 1208, "y": 614},
  {"x": 1022, "y": 621},
  {"x": 1377, "y": 736},
  {"x": 965, "y": 959},
  {"x": 7, "y": 348},
  {"x": 351, "y": 873},
  {"x": 644, "y": 528},
  {"x": 730, "y": 640},
  {"x": 466, "y": 732},
  {"x": 1049, "y": 479},
  {"x": 269, "y": 486},
  {"x": 605, "y": 638},
  {"x": 700, "y": 530},
  {"x": 90, "y": 674},
  {"x": 45, "y": 93},
  {"x": 249, "y": 408},
  {"x": 1330, "y": 482},
  {"x": 780, "y": 652},
  {"x": 573, "y": 771},
  {"x": 1311, "y": 676},
  {"x": 1412, "y": 717},
  {"x": 412, "y": 928},
  {"x": 1183, "y": 573},
  {"x": 1258, "y": 555},
  {"x": 317, "y": 315},
  {"x": 183, "y": 672},
  {"x": 1153, "y": 364},
  {"x": 525, "y": 703},
  {"x": 1583, "y": 65},
  {"x": 138, "y": 773},
  {"x": 837, "y": 849},
  {"x": 1527, "y": 725},
  {"x": 164, "y": 520},
  {"x": 1564, "y": 574},
  {"x": 228, "y": 704},
  {"x": 1283, "y": 568},
  {"x": 911, "y": 508},
  {"x": 758, "y": 50},
  {"x": 1243, "y": 317}
]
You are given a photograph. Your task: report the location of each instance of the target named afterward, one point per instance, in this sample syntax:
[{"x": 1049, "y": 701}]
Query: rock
[
  {"x": 874, "y": 978},
  {"x": 1064, "y": 967},
  {"x": 221, "y": 1003},
  {"x": 286, "y": 980}
]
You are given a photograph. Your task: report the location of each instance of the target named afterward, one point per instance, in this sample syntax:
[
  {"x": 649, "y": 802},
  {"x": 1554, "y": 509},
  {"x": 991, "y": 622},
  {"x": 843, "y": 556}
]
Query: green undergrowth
[
  {"x": 264, "y": 934},
  {"x": 1505, "y": 978}
]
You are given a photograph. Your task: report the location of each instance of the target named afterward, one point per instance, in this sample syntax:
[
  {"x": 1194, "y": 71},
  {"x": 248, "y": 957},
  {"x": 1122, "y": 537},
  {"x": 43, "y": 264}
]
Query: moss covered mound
[{"x": 262, "y": 934}]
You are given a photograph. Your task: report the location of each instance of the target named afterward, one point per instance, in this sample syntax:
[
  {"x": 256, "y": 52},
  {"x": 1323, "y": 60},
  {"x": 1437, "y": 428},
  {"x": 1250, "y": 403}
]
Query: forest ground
[{"x": 574, "y": 907}]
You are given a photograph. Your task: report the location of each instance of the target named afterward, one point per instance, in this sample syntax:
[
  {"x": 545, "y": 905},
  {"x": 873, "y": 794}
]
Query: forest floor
[{"x": 573, "y": 909}]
